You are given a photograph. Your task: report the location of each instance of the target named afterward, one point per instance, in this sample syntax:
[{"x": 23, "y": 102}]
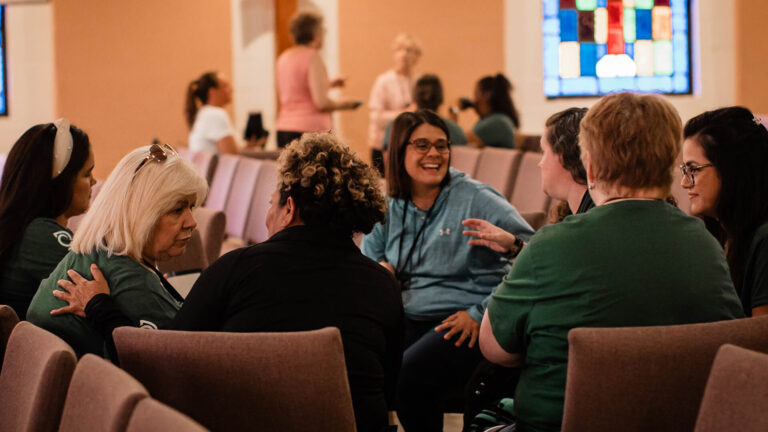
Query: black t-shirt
[{"x": 305, "y": 279}]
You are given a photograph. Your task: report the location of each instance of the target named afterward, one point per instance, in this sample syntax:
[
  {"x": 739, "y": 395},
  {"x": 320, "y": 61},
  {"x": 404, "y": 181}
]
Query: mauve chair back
[
  {"x": 8, "y": 320},
  {"x": 33, "y": 383},
  {"x": 647, "y": 378},
  {"x": 256, "y": 231},
  {"x": 498, "y": 167},
  {"x": 294, "y": 381},
  {"x": 151, "y": 415},
  {"x": 240, "y": 196},
  {"x": 465, "y": 158},
  {"x": 222, "y": 182},
  {"x": 527, "y": 195},
  {"x": 205, "y": 162},
  {"x": 736, "y": 395},
  {"x": 101, "y": 397}
]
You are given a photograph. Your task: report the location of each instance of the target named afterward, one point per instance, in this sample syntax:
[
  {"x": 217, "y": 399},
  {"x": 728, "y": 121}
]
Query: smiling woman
[
  {"x": 445, "y": 281},
  {"x": 725, "y": 154},
  {"x": 143, "y": 215}
]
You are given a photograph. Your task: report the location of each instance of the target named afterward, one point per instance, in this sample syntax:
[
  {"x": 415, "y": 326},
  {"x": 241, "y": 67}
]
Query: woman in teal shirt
[
  {"x": 445, "y": 282},
  {"x": 47, "y": 179},
  {"x": 498, "y": 115}
]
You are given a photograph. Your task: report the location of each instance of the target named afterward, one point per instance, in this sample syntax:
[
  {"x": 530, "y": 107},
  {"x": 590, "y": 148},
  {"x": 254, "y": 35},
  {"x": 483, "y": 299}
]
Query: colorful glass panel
[
  {"x": 662, "y": 23},
  {"x": 593, "y": 47},
  {"x": 586, "y": 26}
]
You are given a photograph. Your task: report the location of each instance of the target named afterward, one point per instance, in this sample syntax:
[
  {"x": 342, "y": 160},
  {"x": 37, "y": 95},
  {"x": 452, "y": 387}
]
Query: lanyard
[{"x": 399, "y": 270}]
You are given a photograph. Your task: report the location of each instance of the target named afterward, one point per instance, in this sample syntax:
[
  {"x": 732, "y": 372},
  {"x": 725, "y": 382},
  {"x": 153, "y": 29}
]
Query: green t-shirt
[
  {"x": 136, "y": 290},
  {"x": 495, "y": 130},
  {"x": 630, "y": 263},
  {"x": 42, "y": 246},
  {"x": 754, "y": 287}
]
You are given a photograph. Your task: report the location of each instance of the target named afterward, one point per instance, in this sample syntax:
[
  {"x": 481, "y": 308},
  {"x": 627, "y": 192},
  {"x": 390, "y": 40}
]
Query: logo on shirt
[
  {"x": 446, "y": 231},
  {"x": 147, "y": 325},
  {"x": 63, "y": 237}
]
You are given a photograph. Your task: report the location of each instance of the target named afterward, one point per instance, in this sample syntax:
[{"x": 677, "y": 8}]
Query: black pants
[
  {"x": 285, "y": 137},
  {"x": 377, "y": 160},
  {"x": 433, "y": 368}
]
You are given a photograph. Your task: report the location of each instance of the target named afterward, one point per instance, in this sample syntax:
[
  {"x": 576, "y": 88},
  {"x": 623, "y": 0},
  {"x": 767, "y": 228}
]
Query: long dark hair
[
  {"x": 737, "y": 145},
  {"x": 27, "y": 190},
  {"x": 500, "y": 100},
  {"x": 197, "y": 90},
  {"x": 398, "y": 180}
]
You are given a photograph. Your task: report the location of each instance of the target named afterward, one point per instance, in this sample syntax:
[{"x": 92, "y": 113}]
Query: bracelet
[{"x": 517, "y": 246}]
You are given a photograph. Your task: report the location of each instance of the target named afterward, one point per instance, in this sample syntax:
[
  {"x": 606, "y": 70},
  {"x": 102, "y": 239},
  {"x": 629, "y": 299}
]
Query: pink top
[
  {"x": 298, "y": 112},
  {"x": 390, "y": 94}
]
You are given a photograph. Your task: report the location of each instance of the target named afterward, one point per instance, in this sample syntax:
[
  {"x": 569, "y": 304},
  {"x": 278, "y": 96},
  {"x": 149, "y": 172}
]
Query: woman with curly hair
[{"x": 309, "y": 274}]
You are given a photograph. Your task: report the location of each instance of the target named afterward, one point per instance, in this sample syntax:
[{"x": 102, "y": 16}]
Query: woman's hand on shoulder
[
  {"x": 460, "y": 323},
  {"x": 79, "y": 291},
  {"x": 488, "y": 235}
]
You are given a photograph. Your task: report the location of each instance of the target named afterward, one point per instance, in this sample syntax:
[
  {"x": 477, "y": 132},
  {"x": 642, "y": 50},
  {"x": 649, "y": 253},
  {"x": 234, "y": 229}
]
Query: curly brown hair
[{"x": 332, "y": 188}]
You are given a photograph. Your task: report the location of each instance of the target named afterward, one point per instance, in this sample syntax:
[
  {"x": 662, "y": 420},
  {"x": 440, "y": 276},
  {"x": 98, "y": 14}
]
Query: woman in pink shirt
[
  {"x": 391, "y": 93},
  {"x": 303, "y": 84}
]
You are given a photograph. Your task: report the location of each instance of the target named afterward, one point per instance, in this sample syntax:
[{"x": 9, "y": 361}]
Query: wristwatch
[{"x": 517, "y": 246}]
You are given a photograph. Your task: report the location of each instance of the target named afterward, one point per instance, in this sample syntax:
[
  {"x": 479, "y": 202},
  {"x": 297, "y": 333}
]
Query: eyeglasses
[
  {"x": 157, "y": 153},
  {"x": 690, "y": 170},
  {"x": 422, "y": 145}
]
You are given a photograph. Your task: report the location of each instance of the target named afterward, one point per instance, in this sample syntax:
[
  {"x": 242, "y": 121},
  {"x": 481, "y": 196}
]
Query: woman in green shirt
[
  {"x": 633, "y": 260},
  {"x": 47, "y": 179},
  {"x": 142, "y": 215}
]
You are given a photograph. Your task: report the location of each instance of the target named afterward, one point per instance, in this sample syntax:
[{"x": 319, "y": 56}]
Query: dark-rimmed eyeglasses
[
  {"x": 422, "y": 145},
  {"x": 689, "y": 172}
]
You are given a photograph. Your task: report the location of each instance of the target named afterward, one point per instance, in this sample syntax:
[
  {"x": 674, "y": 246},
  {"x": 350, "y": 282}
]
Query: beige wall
[
  {"x": 461, "y": 41},
  {"x": 752, "y": 55},
  {"x": 122, "y": 67},
  {"x": 31, "y": 95}
]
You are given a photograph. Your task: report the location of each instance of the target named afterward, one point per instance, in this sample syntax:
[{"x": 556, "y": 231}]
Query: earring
[{"x": 590, "y": 186}]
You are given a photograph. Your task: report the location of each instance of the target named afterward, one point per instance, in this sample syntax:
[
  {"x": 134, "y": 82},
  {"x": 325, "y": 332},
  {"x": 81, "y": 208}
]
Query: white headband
[{"x": 62, "y": 146}]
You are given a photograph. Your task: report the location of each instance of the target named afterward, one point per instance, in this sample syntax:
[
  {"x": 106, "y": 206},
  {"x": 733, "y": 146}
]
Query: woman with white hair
[
  {"x": 391, "y": 93},
  {"x": 142, "y": 215}
]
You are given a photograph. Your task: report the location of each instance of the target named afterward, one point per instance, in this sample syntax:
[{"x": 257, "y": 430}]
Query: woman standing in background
[
  {"x": 391, "y": 94},
  {"x": 302, "y": 83}
]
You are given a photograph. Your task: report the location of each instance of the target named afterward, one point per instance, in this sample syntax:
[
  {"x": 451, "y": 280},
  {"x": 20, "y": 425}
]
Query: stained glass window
[
  {"x": 596, "y": 47},
  {"x": 3, "y": 81}
]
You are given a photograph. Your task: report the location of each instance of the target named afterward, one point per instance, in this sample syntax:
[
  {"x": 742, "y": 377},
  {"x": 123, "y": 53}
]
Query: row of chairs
[
  {"x": 224, "y": 381},
  {"x": 695, "y": 377},
  {"x": 44, "y": 389},
  {"x": 240, "y": 187}
]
